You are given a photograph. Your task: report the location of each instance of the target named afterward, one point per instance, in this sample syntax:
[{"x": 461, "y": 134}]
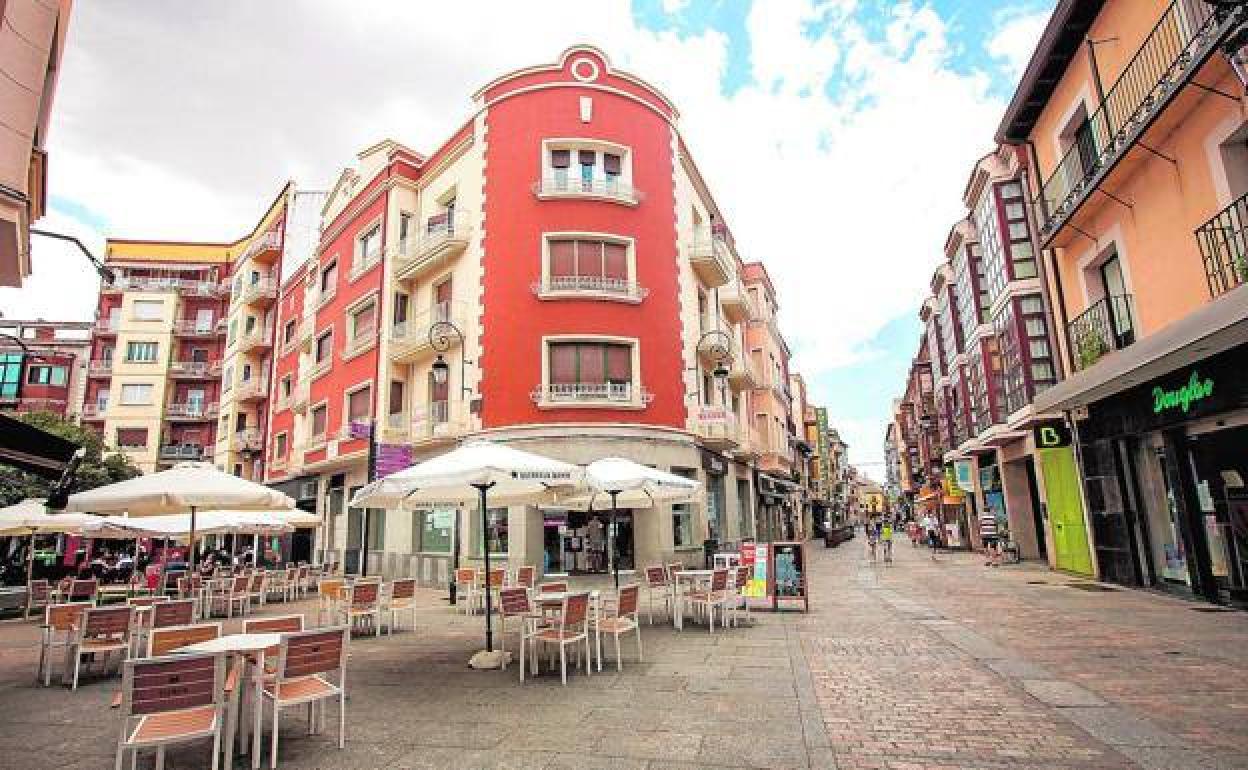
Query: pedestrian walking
[
  {"x": 886, "y": 541},
  {"x": 871, "y": 539},
  {"x": 991, "y": 537},
  {"x": 930, "y": 526},
  {"x": 912, "y": 529}
]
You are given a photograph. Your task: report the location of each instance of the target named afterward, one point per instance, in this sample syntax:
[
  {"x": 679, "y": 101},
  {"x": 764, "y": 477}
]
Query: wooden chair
[
  {"x": 38, "y": 596},
  {"x": 364, "y": 605},
  {"x": 514, "y": 602},
  {"x": 467, "y": 589},
  {"x": 621, "y": 619},
  {"x": 281, "y": 624},
  {"x": 740, "y": 602},
  {"x": 526, "y": 577},
  {"x": 658, "y": 586},
  {"x": 717, "y": 596},
  {"x": 498, "y": 579},
  {"x": 171, "y": 700},
  {"x": 142, "y": 619},
  {"x": 59, "y": 622},
  {"x": 84, "y": 591},
  {"x": 572, "y": 629},
  {"x": 163, "y": 641},
  {"x": 174, "y": 612},
  {"x": 230, "y": 593},
  {"x": 553, "y": 587},
  {"x": 402, "y": 598},
  {"x": 100, "y": 631},
  {"x": 302, "y": 575},
  {"x": 329, "y": 596},
  {"x": 305, "y": 664},
  {"x": 256, "y": 588}
]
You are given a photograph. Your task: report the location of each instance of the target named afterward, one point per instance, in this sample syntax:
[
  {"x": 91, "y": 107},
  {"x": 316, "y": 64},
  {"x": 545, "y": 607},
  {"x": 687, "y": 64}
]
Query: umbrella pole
[
  {"x": 30, "y": 571},
  {"x": 192, "y": 540},
  {"x": 485, "y": 547},
  {"x": 615, "y": 563},
  {"x": 454, "y": 556}
]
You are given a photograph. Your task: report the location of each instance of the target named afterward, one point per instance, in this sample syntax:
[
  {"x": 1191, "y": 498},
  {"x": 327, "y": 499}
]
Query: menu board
[
  {"x": 756, "y": 557},
  {"x": 788, "y": 581}
]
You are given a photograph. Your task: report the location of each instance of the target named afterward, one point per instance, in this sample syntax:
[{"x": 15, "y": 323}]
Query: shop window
[
  {"x": 745, "y": 517},
  {"x": 435, "y": 531},
  {"x": 714, "y": 506},
  {"x": 376, "y": 529},
  {"x": 496, "y": 532},
  {"x": 682, "y": 516}
]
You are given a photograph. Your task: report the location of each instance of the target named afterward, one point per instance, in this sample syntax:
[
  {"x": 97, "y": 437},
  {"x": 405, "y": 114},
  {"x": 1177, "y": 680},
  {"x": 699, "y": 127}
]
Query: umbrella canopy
[
  {"x": 178, "y": 525},
  {"x": 635, "y": 485},
  {"x": 514, "y": 477},
  {"x": 176, "y": 490},
  {"x": 297, "y": 518},
  {"x": 30, "y": 517}
]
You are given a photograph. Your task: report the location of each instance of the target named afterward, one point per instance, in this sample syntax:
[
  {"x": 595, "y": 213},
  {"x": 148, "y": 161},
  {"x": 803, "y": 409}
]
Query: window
[
  {"x": 396, "y": 397},
  {"x": 600, "y": 370},
  {"x": 329, "y": 278},
  {"x": 199, "y": 355},
  {"x": 599, "y": 168},
  {"x": 289, "y": 332},
  {"x": 279, "y": 446},
  {"x": 496, "y": 531},
  {"x": 10, "y": 374},
  {"x": 135, "y": 394},
  {"x": 400, "y": 308},
  {"x": 320, "y": 421},
  {"x": 131, "y": 438},
  {"x": 682, "y": 516},
  {"x": 249, "y": 325},
  {"x": 714, "y": 506},
  {"x": 360, "y": 403},
  {"x": 745, "y": 520},
  {"x": 405, "y": 229},
  {"x": 364, "y": 321},
  {"x": 46, "y": 375},
  {"x": 968, "y": 287},
  {"x": 229, "y": 339},
  {"x": 367, "y": 245},
  {"x": 227, "y": 380},
  {"x": 286, "y": 386},
  {"x": 376, "y": 529},
  {"x": 587, "y": 264},
  {"x": 148, "y": 309},
  {"x": 435, "y": 531},
  {"x": 325, "y": 346},
  {"x": 246, "y": 372},
  {"x": 141, "y": 352}
]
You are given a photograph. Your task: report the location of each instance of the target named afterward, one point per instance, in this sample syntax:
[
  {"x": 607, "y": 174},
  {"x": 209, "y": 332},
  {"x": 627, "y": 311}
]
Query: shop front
[{"x": 1165, "y": 464}]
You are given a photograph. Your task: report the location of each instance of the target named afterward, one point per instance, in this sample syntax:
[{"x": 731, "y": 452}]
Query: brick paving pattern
[{"x": 913, "y": 665}]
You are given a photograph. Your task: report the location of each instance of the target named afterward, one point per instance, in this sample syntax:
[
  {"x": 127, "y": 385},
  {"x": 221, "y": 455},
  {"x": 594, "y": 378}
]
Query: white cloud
[
  {"x": 1015, "y": 37},
  {"x": 176, "y": 121}
]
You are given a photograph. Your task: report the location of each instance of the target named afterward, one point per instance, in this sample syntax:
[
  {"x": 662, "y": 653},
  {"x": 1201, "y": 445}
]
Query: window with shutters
[
  {"x": 594, "y": 372},
  {"x": 141, "y": 352},
  {"x": 586, "y": 168},
  {"x": 131, "y": 438},
  {"x": 134, "y": 394},
  {"x": 320, "y": 422},
  {"x": 589, "y": 265},
  {"x": 360, "y": 404}
]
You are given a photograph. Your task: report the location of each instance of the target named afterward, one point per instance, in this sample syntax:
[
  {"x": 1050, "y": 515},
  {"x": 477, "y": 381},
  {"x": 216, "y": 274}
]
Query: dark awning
[{"x": 27, "y": 448}]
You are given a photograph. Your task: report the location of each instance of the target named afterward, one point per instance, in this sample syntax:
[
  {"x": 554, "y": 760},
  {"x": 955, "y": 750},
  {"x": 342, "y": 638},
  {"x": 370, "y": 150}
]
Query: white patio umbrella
[
  {"x": 30, "y": 517},
  {"x": 179, "y": 525},
  {"x": 481, "y": 471},
  {"x": 632, "y": 485},
  {"x": 186, "y": 487}
]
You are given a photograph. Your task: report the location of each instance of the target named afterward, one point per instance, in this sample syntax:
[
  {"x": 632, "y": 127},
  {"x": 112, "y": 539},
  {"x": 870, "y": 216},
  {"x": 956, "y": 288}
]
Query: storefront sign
[
  {"x": 789, "y": 574},
  {"x": 392, "y": 458},
  {"x": 1053, "y": 434},
  {"x": 1195, "y": 390},
  {"x": 964, "y": 472}
]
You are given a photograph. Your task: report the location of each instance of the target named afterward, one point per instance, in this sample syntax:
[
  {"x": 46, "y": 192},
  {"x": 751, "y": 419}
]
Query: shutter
[
  {"x": 587, "y": 157},
  {"x": 589, "y": 258},
  {"x": 562, "y": 258},
  {"x": 593, "y": 369},
  {"x": 560, "y": 158},
  {"x": 442, "y": 293},
  {"x": 358, "y": 404},
  {"x": 562, "y": 363},
  {"x": 610, "y": 163},
  {"x": 438, "y": 391},
  {"x": 319, "y": 417},
  {"x": 396, "y": 397},
  {"x": 366, "y": 321},
  {"x": 131, "y": 437},
  {"x": 615, "y": 261},
  {"x": 619, "y": 363}
]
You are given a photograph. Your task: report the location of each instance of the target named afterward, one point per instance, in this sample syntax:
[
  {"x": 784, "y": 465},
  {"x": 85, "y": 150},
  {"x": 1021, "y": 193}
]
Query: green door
[{"x": 1061, "y": 487}]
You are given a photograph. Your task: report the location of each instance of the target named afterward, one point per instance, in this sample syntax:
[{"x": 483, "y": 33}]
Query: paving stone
[
  {"x": 1061, "y": 694},
  {"x": 1121, "y": 728}
]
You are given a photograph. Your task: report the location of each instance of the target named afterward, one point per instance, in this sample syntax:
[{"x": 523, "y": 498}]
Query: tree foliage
[{"x": 101, "y": 465}]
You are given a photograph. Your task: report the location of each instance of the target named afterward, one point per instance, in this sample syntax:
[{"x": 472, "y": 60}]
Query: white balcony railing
[
  {"x": 410, "y": 339},
  {"x": 608, "y": 189},
  {"x": 251, "y": 390},
  {"x": 597, "y": 286},
  {"x": 99, "y": 368},
  {"x": 259, "y": 337},
  {"x": 249, "y": 439},
  {"x": 442, "y": 239},
  {"x": 261, "y": 291},
  {"x": 191, "y": 410},
  {"x": 710, "y": 258},
  {"x": 270, "y": 241},
  {"x": 195, "y": 369},
  {"x": 192, "y": 327},
  {"x": 107, "y": 326},
  {"x": 94, "y": 411},
  {"x": 184, "y": 452},
  {"x": 622, "y": 393}
]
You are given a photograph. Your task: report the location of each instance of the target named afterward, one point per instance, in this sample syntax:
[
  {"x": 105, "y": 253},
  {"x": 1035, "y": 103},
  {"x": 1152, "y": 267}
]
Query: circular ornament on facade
[{"x": 585, "y": 69}]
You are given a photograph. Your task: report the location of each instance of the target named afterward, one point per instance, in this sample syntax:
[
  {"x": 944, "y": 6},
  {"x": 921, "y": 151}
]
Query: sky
[{"x": 837, "y": 135}]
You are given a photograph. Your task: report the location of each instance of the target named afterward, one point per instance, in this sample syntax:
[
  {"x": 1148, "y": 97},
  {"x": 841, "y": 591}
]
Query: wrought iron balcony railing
[
  {"x": 1107, "y": 325},
  {"x": 1224, "y": 247},
  {"x": 1186, "y": 35}
]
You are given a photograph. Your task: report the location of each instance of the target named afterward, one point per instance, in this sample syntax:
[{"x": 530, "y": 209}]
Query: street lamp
[
  {"x": 442, "y": 334},
  {"x": 718, "y": 346}
]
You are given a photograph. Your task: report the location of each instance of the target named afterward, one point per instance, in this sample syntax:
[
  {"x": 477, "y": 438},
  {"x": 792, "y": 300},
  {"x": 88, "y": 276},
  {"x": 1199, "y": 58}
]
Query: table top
[
  {"x": 235, "y": 643},
  {"x": 695, "y": 573},
  {"x": 558, "y": 596}
]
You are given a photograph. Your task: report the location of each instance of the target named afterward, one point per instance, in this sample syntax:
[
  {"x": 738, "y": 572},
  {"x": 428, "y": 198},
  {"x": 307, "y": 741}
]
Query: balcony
[
  {"x": 1107, "y": 325},
  {"x": 589, "y": 287},
  {"x": 307, "y": 333},
  {"x": 737, "y": 303},
  {"x": 1224, "y": 248},
  {"x": 299, "y": 400},
  {"x": 100, "y": 368},
  {"x": 191, "y": 327},
  {"x": 261, "y": 293},
  {"x": 741, "y": 374},
  {"x": 1184, "y": 38},
  {"x": 264, "y": 248},
  {"x": 106, "y": 327},
  {"x": 443, "y": 241},
  {"x": 194, "y": 370},
  {"x": 710, "y": 259},
  {"x": 715, "y": 427},
  {"x": 410, "y": 340},
  {"x": 40, "y": 405},
  {"x": 259, "y": 338},
  {"x": 567, "y": 187},
  {"x": 620, "y": 395},
  {"x": 94, "y": 411},
  {"x": 248, "y": 440},
  {"x": 191, "y": 411},
  {"x": 252, "y": 390},
  {"x": 439, "y": 422},
  {"x": 178, "y": 452},
  {"x": 364, "y": 262}
]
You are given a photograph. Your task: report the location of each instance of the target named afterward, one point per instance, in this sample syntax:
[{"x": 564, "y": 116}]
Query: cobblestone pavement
[
  {"x": 950, "y": 664},
  {"x": 911, "y": 665}
]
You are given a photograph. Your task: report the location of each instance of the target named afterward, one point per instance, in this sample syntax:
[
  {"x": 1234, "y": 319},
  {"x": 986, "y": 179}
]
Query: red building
[{"x": 43, "y": 366}]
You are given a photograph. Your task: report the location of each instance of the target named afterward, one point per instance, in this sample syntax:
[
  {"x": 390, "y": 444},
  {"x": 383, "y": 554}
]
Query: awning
[
  {"x": 30, "y": 449},
  {"x": 1211, "y": 329}
]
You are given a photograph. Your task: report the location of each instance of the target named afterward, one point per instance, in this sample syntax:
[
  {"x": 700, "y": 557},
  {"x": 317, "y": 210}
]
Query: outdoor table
[
  {"x": 242, "y": 645},
  {"x": 678, "y": 602}
]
